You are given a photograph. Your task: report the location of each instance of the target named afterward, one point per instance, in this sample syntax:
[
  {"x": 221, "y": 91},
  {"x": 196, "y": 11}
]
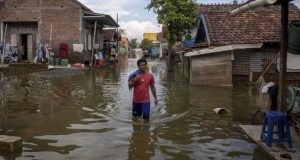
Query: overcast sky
[{"x": 133, "y": 17}]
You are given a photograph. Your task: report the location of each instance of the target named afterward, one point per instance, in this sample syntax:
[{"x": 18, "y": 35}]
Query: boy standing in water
[{"x": 141, "y": 80}]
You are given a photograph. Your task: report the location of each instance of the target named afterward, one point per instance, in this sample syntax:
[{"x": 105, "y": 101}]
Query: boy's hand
[
  {"x": 155, "y": 101},
  {"x": 137, "y": 78}
]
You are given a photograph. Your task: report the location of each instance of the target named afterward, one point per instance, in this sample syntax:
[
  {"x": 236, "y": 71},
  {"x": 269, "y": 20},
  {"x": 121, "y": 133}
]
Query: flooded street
[{"x": 87, "y": 116}]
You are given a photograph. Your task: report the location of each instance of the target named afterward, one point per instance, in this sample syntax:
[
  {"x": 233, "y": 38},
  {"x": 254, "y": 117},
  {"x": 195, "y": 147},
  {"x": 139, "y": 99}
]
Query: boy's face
[{"x": 143, "y": 66}]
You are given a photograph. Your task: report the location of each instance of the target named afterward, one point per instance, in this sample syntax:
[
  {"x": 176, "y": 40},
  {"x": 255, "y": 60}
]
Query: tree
[
  {"x": 133, "y": 43},
  {"x": 179, "y": 17},
  {"x": 146, "y": 44}
]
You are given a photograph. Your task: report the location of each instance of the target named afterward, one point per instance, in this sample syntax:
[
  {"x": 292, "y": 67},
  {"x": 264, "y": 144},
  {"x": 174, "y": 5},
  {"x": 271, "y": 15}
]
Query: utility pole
[{"x": 283, "y": 54}]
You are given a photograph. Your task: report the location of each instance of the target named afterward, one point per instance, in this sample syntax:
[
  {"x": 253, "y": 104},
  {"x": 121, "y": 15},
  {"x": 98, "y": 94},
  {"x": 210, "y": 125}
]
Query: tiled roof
[{"x": 258, "y": 25}]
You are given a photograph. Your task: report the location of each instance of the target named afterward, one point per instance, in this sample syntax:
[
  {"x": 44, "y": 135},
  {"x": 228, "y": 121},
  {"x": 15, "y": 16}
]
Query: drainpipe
[{"x": 252, "y": 5}]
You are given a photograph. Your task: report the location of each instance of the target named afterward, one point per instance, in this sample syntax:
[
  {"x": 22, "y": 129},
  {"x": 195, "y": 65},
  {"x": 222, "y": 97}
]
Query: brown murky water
[{"x": 87, "y": 116}]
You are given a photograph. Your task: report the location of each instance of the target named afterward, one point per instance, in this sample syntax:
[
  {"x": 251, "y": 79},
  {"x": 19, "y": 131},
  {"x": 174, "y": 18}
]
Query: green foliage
[
  {"x": 178, "y": 16},
  {"x": 133, "y": 43},
  {"x": 146, "y": 44}
]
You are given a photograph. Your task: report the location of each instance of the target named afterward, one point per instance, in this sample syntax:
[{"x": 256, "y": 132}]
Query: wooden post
[
  {"x": 251, "y": 77},
  {"x": 1, "y": 31},
  {"x": 283, "y": 54},
  {"x": 5, "y": 32},
  {"x": 3, "y": 48},
  {"x": 117, "y": 47},
  {"x": 50, "y": 39},
  {"x": 92, "y": 57}
]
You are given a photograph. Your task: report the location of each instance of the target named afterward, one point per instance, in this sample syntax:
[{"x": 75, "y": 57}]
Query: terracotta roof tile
[{"x": 258, "y": 25}]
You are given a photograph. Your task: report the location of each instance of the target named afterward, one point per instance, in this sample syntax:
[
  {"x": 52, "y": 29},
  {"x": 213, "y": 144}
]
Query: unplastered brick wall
[
  {"x": 63, "y": 14},
  {"x": 65, "y": 26},
  {"x": 65, "y": 18},
  {"x": 19, "y": 10}
]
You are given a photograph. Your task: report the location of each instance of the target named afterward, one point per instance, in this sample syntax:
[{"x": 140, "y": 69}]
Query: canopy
[{"x": 104, "y": 19}]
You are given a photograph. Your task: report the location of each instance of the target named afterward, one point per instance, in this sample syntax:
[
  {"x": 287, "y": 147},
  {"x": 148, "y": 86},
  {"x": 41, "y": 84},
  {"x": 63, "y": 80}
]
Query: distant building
[
  {"x": 109, "y": 37},
  {"x": 124, "y": 44},
  {"x": 150, "y": 36}
]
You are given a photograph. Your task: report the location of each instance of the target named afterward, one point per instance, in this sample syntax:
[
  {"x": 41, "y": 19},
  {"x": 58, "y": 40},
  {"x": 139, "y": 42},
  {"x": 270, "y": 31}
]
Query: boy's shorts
[{"x": 141, "y": 108}]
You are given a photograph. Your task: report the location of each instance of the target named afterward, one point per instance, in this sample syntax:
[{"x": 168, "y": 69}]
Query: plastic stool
[{"x": 283, "y": 131}]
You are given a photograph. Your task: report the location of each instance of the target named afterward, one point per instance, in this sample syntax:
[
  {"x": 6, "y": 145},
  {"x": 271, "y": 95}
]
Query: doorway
[
  {"x": 23, "y": 46},
  {"x": 26, "y": 46}
]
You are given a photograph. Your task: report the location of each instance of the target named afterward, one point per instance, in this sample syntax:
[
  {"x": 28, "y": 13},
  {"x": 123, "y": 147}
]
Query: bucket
[
  {"x": 56, "y": 61},
  {"x": 64, "y": 62}
]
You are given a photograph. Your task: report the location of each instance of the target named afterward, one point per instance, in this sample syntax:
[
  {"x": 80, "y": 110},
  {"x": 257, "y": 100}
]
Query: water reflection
[
  {"x": 141, "y": 143},
  {"x": 88, "y": 116}
]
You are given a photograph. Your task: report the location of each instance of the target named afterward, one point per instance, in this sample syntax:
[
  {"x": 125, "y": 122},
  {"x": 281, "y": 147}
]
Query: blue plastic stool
[{"x": 283, "y": 131}]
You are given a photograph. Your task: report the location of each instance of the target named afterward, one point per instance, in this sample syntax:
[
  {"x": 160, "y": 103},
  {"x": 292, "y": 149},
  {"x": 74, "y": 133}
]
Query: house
[
  {"x": 159, "y": 42},
  {"x": 124, "y": 45},
  {"x": 110, "y": 37},
  {"x": 150, "y": 36},
  {"x": 26, "y": 23},
  {"x": 231, "y": 47}
]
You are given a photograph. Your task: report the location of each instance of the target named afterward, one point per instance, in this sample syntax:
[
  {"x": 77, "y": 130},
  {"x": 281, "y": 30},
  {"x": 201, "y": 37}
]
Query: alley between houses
[{"x": 88, "y": 116}]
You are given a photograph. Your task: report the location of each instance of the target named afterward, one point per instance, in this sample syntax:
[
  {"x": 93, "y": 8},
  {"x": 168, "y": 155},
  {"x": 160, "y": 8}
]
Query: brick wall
[{"x": 64, "y": 15}]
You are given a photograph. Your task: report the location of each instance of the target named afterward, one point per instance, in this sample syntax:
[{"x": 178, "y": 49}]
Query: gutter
[{"x": 252, "y": 5}]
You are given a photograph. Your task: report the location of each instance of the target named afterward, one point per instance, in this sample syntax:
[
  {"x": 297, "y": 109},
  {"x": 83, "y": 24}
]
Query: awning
[
  {"x": 223, "y": 49},
  {"x": 104, "y": 19}
]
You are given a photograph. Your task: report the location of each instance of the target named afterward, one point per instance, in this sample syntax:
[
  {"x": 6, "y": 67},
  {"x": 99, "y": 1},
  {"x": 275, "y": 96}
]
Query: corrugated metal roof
[
  {"x": 223, "y": 49},
  {"x": 102, "y": 18}
]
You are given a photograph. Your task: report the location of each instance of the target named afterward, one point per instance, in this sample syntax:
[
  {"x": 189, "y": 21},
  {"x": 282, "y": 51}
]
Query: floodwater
[{"x": 87, "y": 116}]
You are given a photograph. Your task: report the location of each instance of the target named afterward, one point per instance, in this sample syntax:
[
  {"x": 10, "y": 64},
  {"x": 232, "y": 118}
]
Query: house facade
[
  {"x": 25, "y": 23},
  {"x": 243, "y": 45}
]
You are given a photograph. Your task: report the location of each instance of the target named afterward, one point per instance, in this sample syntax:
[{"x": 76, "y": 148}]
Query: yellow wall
[{"x": 150, "y": 36}]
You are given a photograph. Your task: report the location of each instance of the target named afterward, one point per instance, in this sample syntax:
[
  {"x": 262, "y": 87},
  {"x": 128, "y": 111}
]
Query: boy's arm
[
  {"x": 153, "y": 90},
  {"x": 133, "y": 82}
]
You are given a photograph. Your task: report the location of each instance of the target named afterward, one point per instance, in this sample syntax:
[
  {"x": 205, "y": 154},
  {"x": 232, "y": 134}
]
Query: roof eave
[
  {"x": 108, "y": 20},
  {"x": 220, "y": 49}
]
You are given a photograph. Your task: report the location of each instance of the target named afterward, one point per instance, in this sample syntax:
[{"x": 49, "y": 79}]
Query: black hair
[{"x": 140, "y": 61}]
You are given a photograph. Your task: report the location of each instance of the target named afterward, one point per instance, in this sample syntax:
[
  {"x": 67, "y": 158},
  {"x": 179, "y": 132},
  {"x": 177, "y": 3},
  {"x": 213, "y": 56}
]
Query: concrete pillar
[
  {"x": 10, "y": 143},
  {"x": 80, "y": 26}
]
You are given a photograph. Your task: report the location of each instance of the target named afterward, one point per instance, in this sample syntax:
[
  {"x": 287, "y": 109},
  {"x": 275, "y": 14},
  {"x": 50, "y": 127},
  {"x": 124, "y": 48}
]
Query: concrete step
[
  {"x": 10, "y": 143},
  {"x": 27, "y": 65}
]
